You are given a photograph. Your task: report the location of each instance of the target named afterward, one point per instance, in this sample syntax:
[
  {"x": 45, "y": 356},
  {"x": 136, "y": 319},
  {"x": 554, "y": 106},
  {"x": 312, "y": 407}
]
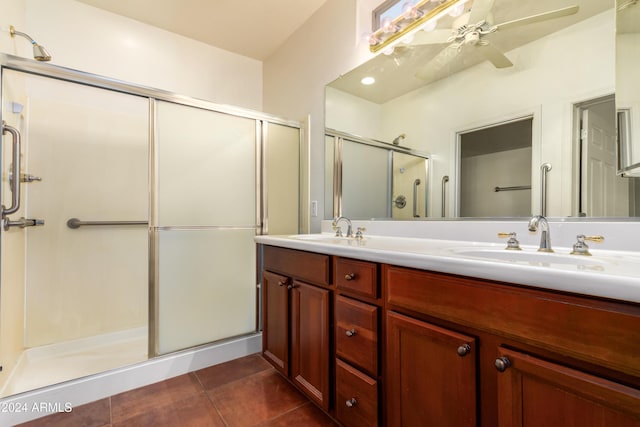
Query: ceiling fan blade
[
  {"x": 494, "y": 55},
  {"x": 438, "y": 62},
  {"x": 431, "y": 37},
  {"x": 480, "y": 10},
  {"x": 539, "y": 17}
]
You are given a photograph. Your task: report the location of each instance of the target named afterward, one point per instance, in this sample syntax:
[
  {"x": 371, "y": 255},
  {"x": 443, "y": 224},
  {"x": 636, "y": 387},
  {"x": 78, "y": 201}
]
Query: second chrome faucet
[{"x": 540, "y": 222}]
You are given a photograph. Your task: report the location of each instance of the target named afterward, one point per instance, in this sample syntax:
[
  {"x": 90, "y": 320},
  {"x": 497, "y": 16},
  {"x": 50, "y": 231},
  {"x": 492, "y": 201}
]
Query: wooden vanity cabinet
[
  {"x": 296, "y": 319},
  {"x": 541, "y": 358},
  {"x": 374, "y": 344},
  {"x": 357, "y": 314}
]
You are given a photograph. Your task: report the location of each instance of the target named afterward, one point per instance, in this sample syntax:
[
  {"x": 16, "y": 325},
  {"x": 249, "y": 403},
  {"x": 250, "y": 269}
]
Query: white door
[{"x": 603, "y": 193}]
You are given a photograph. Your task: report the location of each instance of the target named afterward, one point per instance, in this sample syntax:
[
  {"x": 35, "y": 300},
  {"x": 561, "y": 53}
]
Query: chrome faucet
[
  {"x": 545, "y": 235},
  {"x": 338, "y": 230}
]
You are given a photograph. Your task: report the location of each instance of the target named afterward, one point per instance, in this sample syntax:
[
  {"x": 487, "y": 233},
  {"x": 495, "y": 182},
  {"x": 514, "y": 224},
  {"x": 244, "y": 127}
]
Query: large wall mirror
[
  {"x": 516, "y": 120},
  {"x": 628, "y": 85}
]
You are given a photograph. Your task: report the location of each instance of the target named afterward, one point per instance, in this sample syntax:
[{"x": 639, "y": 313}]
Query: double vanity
[{"x": 382, "y": 330}]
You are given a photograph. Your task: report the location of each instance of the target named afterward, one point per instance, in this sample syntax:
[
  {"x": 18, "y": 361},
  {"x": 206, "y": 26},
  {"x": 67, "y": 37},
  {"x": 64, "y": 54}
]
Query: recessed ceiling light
[{"x": 368, "y": 81}]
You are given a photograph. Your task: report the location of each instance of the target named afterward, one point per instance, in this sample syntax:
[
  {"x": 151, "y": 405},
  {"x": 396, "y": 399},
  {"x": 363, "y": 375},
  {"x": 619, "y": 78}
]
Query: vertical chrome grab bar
[
  {"x": 15, "y": 171},
  {"x": 415, "y": 198},
  {"x": 445, "y": 179},
  {"x": 544, "y": 169}
]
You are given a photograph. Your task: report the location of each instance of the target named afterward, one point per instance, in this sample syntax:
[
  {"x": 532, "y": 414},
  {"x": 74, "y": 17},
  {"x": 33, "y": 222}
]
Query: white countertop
[{"x": 609, "y": 274}]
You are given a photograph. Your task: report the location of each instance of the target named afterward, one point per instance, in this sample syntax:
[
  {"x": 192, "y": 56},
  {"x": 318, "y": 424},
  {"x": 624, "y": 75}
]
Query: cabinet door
[
  {"x": 533, "y": 392},
  {"x": 431, "y": 375},
  {"x": 310, "y": 341},
  {"x": 275, "y": 336}
]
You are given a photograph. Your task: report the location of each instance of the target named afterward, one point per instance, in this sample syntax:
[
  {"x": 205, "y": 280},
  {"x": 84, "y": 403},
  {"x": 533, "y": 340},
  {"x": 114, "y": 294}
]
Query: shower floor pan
[{"x": 51, "y": 364}]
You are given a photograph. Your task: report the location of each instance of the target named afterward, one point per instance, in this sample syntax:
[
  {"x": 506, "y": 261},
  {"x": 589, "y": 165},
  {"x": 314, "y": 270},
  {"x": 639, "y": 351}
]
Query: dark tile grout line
[{"x": 215, "y": 407}]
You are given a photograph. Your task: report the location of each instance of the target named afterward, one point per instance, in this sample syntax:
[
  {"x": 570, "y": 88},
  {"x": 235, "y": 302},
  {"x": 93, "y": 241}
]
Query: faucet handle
[
  {"x": 512, "y": 243},
  {"x": 338, "y": 230},
  {"x": 581, "y": 248},
  {"x": 359, "y": 233}
]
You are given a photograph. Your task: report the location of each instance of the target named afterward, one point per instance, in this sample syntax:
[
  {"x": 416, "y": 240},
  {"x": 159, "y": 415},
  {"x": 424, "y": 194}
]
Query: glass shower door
[
  {"x": 74, "y": 298},
  {"x": 206, "y": 220}
]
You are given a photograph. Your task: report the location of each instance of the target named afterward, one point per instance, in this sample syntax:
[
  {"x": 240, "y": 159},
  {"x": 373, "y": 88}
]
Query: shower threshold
[{"x": 51, "y": 364}]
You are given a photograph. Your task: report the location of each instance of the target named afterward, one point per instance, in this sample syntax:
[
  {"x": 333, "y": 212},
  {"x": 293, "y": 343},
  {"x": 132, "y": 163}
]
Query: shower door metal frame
[
  {"x": 338, "y": 140},
  {"x": 15, "y": 63}
]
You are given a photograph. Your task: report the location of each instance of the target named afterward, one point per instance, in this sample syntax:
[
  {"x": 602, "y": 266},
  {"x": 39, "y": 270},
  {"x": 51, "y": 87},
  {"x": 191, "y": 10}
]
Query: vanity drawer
[
  {"x": 357, "y": 333},
  {"x": 308, "y": 266},
  {"x": 356, "y": 276},
  {"x": 356, "y": 397}
]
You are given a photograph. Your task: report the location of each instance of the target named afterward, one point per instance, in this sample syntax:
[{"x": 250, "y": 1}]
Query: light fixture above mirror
[{"x": 415, "y": 16}]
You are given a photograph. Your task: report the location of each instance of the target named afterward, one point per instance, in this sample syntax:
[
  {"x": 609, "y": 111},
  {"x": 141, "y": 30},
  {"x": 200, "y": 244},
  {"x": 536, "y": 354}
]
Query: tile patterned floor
[{"x": 242, "y": 392}]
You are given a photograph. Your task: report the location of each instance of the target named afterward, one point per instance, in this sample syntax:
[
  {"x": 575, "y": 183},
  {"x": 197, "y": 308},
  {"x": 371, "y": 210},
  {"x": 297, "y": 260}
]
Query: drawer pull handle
[
  {"x": 502, "y": 363},
  {"x": 351, "y": 332},
  {"x": 351, "y": 402},
  {"x": 464, "y": 349},
  {"x": 349, "y": 276}
]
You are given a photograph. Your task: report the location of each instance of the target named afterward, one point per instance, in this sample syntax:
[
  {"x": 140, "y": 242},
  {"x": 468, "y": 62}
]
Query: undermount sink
[
  {"x": 534, "y": 258},
  {"x": 329, "y": 238}
]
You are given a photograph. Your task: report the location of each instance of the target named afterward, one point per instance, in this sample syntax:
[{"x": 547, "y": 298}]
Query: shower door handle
[{"x": 15, "y": 171}]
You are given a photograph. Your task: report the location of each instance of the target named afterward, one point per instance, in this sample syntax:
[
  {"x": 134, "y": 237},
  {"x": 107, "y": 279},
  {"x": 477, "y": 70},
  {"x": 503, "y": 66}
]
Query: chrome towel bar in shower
[
  {"x": 514, "y": 188},
  {"x": 76, "y": 223}
]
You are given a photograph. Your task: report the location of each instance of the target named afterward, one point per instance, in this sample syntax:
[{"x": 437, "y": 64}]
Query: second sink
[{"x": 535, "y": 258}]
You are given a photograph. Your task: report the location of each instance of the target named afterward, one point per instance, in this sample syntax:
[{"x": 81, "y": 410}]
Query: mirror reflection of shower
[{"x": 39, "y": 51}]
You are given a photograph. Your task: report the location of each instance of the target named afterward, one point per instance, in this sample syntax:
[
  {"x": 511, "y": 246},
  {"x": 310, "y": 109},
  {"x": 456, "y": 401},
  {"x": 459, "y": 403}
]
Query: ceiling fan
[{"x": 470, "y": 31}]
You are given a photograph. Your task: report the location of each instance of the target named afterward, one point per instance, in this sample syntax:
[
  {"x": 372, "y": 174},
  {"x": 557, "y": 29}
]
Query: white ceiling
[{"x": 253, "y": 28}]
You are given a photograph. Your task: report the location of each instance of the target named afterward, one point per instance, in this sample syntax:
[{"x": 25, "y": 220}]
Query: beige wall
[
  {"x": 327, "y": 45},
  {"x": 89, "y": 39}
]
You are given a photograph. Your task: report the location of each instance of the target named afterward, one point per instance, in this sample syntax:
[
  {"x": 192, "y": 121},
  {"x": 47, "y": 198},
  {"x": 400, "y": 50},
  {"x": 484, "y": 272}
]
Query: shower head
[
  {"x": 399, "y": 138},
  {"x": 39, "y": 52}
]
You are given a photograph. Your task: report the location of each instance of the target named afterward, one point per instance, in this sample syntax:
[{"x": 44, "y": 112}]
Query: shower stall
[
  {"x": 367, "y": 178},
  {"x": 128, "y": 221}
]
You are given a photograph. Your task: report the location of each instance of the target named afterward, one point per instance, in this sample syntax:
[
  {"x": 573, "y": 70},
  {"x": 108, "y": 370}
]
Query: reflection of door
[
  {"x": 409, "y": 186},
  {"x": 602, "y": 192},
  {"x": 495, "y": 170}
]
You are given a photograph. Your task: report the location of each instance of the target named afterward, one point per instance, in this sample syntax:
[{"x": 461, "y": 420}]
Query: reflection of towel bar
[
  {"x": 76, "y": 223},
  {"x": 517, "y": 187}
]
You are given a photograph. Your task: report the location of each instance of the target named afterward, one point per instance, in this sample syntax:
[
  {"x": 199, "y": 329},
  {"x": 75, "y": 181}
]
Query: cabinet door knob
[
  {"x": 464, "y": 349},
  {"x": 290, "y": 286},
  {"x": 350, "y": 332},
  {"x": 282, "y": 282},
  {"x": 351, "y": 402},
  {"x": 502, "y": 363}
]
